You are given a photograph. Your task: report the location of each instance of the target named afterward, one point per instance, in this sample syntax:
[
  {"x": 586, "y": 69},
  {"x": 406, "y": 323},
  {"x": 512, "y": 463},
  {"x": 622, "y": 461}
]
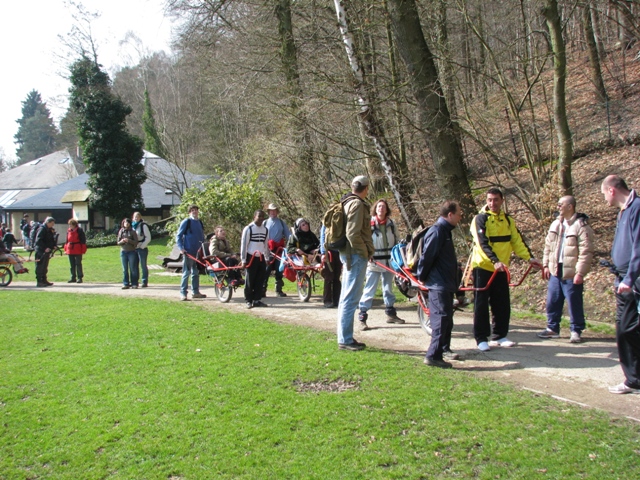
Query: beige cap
[
  {"x": 272, "y": 206},
  {"x": 360, "y": 179}
]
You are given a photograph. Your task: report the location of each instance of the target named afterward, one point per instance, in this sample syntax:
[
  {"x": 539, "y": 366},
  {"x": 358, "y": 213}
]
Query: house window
[{"x": 98, "y": 220}]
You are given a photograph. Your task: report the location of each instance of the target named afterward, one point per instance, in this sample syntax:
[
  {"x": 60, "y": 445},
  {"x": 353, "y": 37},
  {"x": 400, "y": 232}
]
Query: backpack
[
  {"x": 142, "y": 236},
  {"x": 34, "y": 233},
  {"x": 334, "y": 222},
  {"x": 414, "y": 247},
  {"x": 397, "y": 254}
]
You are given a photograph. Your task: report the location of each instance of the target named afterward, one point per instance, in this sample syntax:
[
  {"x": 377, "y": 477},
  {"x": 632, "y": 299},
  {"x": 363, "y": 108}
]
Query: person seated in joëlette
[
  {"x": 219, "y": 248},
  {"x": 304, "y": 243},
  {"x": 7, "y": 256}
]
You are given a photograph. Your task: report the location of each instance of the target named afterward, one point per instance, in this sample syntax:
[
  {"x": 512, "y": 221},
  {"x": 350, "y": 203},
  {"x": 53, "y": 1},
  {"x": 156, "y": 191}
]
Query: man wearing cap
[
  {"x": 278, "y": 236},
  {"x": 45, "y": 242},
  {"x": 354, "y": 256}
]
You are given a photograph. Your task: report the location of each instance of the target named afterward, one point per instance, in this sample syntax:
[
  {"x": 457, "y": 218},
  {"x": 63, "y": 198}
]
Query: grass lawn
[{"x": 115, "y": 388}]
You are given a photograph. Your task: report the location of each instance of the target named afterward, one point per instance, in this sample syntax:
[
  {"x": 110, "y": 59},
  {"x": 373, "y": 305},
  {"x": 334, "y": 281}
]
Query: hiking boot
[
  {"x": 144, "y": 285},
  {"x": 575, "y": 337},
  {"x": 249, "y": 304},
  {"x": 329, "y": 305},
  {"x": 258, "y": 303},
  {"x": 461, "y": 302},
  {"x": 183, "y": 298},
  {"x": 363, "y": 326},
  {"x": 134, "y": 286},
  {"x": 503, "y": 342},
  {"x": 79, "y": 280},
  {"x": 48, "y": 283},
  {"x": 41, "y": 285},
  {"x": 623, "y": 389},
  {"x": 126, "y": 287},
  {"x": 548, "y": 333},
  {"x": 363, "y": 316},
  {"x": 450, "y": 355},
  {"x": 198, "y": 295},
  {"x": 73, "y": 280},
  {"x": 394, "y": 319},
  {"x": 353, "y": 346},
  {"x": 280, "y": 293},
  {"x": 484, "y": 347},
  {"x": 432, "y": 362}
]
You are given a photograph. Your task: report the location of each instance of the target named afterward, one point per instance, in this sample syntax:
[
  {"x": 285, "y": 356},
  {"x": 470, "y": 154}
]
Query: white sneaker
[
  {"x": 575, "y": 338},
  {"x": 503, "y": 342},
  {"x": 484, "y": 347}
]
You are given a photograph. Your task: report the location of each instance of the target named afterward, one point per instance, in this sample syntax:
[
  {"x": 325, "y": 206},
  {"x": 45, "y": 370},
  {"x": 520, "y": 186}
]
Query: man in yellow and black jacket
[{"x": 495, "y": 236}]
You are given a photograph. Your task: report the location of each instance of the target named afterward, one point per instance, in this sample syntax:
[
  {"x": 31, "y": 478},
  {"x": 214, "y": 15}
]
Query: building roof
[
  {"x": 157, "y": 191},
  {"x": 35, "y": 177}
]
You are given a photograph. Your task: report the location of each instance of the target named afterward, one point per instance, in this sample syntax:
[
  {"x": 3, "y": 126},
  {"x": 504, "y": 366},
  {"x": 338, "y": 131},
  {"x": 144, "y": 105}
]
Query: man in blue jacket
[
  {"x": 625, "y": 253},
  {"x": 189, "y": 238},
  {"x": 438, "y": 270}
]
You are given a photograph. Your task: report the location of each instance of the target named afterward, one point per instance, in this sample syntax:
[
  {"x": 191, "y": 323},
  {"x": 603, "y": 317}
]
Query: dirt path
[{"x": 575, "y": 373}]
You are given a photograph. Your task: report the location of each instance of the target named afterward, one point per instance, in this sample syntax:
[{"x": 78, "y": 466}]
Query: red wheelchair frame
[
  {"x": 219, "y": 272},
  {"x": 422, "y": 292},
  {"x": 305, "y": 275}
]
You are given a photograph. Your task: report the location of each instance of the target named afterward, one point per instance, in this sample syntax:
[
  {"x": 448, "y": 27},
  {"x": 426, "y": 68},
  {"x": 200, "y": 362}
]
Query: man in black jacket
[
  {"x": 438, "y": 270},
  {"x": 45, "y": 242}
]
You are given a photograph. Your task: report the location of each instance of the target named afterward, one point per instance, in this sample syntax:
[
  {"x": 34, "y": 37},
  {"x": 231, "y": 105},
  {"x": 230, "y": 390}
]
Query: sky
[{"x": 33, "y": 56}]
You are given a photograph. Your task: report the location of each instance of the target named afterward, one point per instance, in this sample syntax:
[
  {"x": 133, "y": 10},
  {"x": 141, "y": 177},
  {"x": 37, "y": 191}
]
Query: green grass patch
[{"x": 156, "y": 389}]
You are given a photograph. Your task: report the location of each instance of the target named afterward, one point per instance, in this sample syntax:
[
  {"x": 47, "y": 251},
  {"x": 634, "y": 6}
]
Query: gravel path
[{"x": 574, "y": 373}]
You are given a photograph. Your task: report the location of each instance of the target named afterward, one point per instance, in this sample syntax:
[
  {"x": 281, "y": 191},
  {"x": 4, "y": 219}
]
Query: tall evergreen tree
[
  {"x": 112, "y": 155},
  {"x": 152, "y": 142},
  {"x": 37, "y": 133}
]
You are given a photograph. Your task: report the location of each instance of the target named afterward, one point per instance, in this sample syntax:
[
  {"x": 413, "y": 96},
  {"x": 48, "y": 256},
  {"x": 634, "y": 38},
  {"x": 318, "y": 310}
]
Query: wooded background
[{"x": 433, "y": 99}]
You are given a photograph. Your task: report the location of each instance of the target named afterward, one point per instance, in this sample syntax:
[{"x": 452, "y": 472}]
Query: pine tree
[
  {"x": 111, "y": 154},
  {"x": 152, "y": 142},
  {"x": 37, "y": 133}
]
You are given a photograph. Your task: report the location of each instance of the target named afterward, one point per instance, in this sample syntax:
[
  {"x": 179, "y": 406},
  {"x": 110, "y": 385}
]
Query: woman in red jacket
[{"x": 75, "y": 247}]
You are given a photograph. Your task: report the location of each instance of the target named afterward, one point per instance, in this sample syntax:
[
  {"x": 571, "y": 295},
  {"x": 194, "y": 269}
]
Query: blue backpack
[{"x": 397, "y": 256}]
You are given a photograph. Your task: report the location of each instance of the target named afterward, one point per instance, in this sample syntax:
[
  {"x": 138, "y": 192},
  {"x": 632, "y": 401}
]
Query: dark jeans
[
  {"x": 232, "y": 262},
  {"x": 42, "y": 266},
  {"x": 143, "y": 253},
  {"x": 441, "y": 316},
  {"x": 129, "y": 268},
  {"x": 255, "y": 279},
  {"x": 273, "y": 266},
  {"x": 628, "y": 337},
  {"x": 497, "y": 297},
  {"x": 75, "y": 262},
  {"x": 557, "y": 291},
  {"x": 331, "y": 276}
]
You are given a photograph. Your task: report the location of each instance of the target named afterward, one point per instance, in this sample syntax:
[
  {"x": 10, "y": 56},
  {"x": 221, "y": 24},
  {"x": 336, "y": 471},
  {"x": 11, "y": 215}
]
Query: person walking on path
[
  {"x": 568, "y": 252},
  {"x": 144, "y": 237},
  {"x": 354, "y": 256},
  {"x": 383, "y": 232},
  {"x": 331, "y": 271},
  {"x": 438, "y": 270},
  {"x": 25, "y": 228},
  {"x": 278, "y": 236},
  {"x": 44, "y": 243},
  {"x": 128, "y": 241},
  {"x": 189, "y": 239},
  {"x": 495, "y": 236},
  {"x": 9, "y": 239},
  {"x": 625, "y": 254},
  {"x": 75, "y": 247},
  {"x": 254, "y": 252}
]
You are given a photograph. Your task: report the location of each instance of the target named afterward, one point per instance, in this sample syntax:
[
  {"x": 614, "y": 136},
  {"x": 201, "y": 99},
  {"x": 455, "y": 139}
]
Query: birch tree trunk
[
  {"x": 565, "y": 142},
  {"x": 389, "y": 159},
  {"x": 441, "y": 133}
]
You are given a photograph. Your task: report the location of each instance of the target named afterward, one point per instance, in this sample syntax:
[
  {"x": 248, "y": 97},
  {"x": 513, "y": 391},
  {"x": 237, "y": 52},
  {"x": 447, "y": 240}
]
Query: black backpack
[{"x": 34, "y": 233}]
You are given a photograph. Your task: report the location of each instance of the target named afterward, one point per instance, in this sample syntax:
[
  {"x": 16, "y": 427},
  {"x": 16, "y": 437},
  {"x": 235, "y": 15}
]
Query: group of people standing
[
  {"x": 568, "y": 254},
  {"x": 133, "y": 238}
]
